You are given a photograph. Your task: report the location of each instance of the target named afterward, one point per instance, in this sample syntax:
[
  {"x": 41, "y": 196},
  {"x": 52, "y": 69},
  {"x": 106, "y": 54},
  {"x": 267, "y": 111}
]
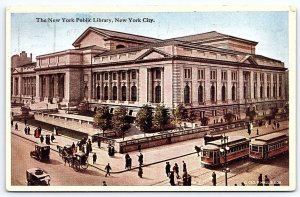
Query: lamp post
[{"x": 224, "y": 148}]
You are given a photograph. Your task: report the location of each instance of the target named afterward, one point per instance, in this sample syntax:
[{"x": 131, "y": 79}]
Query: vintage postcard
[{"x": 153, "y": 98}]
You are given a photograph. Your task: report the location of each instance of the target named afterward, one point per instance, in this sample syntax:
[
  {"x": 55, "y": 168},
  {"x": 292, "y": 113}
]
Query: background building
[{"x": 212, "y": 73}]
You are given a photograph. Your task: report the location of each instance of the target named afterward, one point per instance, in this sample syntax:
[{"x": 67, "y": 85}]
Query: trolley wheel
[{"x": 76, "y": 166}]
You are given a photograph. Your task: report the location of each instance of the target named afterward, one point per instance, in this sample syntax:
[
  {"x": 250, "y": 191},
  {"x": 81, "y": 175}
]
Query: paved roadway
[{"x": 242, "y": 171}]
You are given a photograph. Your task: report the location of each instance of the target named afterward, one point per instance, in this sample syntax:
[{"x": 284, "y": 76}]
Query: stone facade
[{"x": 211, "y": 73}]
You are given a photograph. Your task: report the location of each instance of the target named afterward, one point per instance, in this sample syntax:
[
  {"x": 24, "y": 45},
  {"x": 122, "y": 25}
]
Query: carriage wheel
[
  {"x": 76, "y": 166},
  {"x": 85, "y": 166}
]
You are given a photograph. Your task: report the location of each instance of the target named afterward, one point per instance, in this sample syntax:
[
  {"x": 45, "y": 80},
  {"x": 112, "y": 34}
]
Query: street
[{"x": 241, "y": 171}]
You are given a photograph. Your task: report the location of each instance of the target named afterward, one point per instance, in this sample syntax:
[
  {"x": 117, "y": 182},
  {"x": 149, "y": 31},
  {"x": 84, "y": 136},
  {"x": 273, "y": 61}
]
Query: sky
[{"x": 270, "y": 29}]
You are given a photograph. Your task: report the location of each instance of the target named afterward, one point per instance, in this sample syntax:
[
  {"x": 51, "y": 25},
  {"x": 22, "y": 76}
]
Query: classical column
[
  {"x": 56, "y": 86},
  {"x": 110, "y": 85},
  {"x": 240, "y": 86},
  {"x": 207, "y": 86},
  {"x": 119, "y": 94},
  {"x": 20, "y": 85},
  {"x": 251, "y": 86},
  {"x": 128, "y": 86},
  {"x": 194, "y": 87},
  {"x": 150, "y": 85}
]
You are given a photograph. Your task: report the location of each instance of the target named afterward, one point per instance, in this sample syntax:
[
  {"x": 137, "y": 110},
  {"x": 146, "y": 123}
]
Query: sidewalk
[{"x": 151, "y": 155}]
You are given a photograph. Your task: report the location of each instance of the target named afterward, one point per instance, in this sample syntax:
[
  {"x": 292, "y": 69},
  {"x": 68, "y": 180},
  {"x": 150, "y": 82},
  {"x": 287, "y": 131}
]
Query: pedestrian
[
  {"x": 171, "y": 177},
  {"x": 90, "y": 145},
  {"x": 214, "y": 179},
  {"x": 56, "y": 131},
  {"x": 127, "y": 161},
  {"x": 184, "y": 167},
  {"x": 267, "y": 180},
  {"x": 197, "y": 148},
  {"x": 278, "y": 125},
  {"x": 113, "y": 151},
  {"x": 104, "y": 183},
  {"x": 249, "y": 131},
  {"x": 25, "y": 130},
  {"x": 41, "y": 138},
  {"x": 260, "y": 179},
  {"x": 73, "y": 145},
  {"x": 141, "y": 159},
  {"x": 28, "y": 130},
  {"x": 99, "y": 142},
  {"x": 176, "y": 170},
  {"x": 94, "y": 158},
  {"x": 257, "y": 132},
  {"x": 16, "y": 127},
  {"x": 140, "y": 172},
  {"x": 109, "y": 150},
  {"x": 47, "y": 139},
  {"x": 12, "y": 122},
  {"x": 168, "y": 169},
  {"x": 108, "y": 169},
  {"x": 52, "y": 137}
]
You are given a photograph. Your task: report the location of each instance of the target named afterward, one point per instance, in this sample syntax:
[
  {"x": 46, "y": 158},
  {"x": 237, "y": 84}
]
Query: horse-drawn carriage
[
  {"x": 41, "y": 152},
  {"x": 77, "y": 161},
  {"x": 37, "y": 176}
]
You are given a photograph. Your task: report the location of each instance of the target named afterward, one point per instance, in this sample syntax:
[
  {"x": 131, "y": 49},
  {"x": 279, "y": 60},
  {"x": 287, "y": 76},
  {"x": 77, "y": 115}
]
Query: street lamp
[{"x": 224, "y": 148}]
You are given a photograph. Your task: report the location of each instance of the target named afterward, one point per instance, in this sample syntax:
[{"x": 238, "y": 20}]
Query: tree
[
  {"x": 161, "y": 116},
  {"x": 121, "y": 121},
  {"x": 251, "y": 114},
  {"x": 177, "y": 115},
  {"x": 102, "y": 118},
  {"x": 229, "y": 117},
  {"x": 144, "y": 118},
  {"x": 204, "y": 121}
]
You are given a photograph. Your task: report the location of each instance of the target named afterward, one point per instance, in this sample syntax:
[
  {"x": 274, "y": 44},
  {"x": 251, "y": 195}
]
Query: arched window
[
  {"x": 106, "y": 93},
  {"x": 200, "y": 94},
  {"x": 279, "y": 91},
  {"x": 223, "y": 93},
  {"x": 133, "y": 93},
  {"x": 261, "y": 91},
  {"x": 115, "y": 93},
  {"x": 123, "y": 93},
  {"x": 187, "y": 94},
  {"x": 212, "y": 93},
  {"x": 233, "y": 97},
  {"x": 158, "y": 94},
  {"x": 120, "y": 46},
  {"x": 268, "y": 91},
  {"x": 98, "y": 93}
]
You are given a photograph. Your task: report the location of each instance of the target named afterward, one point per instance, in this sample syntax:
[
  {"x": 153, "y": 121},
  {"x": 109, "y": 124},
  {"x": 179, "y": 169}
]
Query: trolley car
[
  {"x": 268, "y": 146},
  {"x": 219, "y": 152}
]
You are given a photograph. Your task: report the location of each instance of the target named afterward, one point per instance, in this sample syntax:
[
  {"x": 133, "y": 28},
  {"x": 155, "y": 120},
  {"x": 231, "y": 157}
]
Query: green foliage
[
  {"x": 121, "y": 121},
  {"x": 251, "y": 114},
  {"x": 102, "y": 118},
  {"x": 161, "y": 116},
  {"x": 144, "y": 118},
  {"x": 229, "y": 117},
  {"x": 177, "y": 116},
  {"x": 204, "y": 121}
]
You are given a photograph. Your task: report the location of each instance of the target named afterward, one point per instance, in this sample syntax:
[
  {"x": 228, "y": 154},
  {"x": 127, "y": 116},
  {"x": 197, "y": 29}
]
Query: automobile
[
  {"x": 37, "y": 177},
  {"x": 41, "y": 152}
]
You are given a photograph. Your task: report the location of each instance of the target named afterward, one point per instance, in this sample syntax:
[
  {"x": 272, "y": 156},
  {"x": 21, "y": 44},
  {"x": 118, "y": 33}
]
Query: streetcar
[
  {"x": 224, "y": 150},
  {"x": 268, "y": 146}
]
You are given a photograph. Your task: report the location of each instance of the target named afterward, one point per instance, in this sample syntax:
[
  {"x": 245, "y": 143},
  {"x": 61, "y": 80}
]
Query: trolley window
[{"x": 254, "y": 148}]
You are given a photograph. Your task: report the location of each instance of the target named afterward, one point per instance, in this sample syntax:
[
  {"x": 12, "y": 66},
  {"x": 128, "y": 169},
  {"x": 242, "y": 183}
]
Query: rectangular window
[
  {"x": 268, "y": 77},
  {"x": 133, "y": 75},
  {"x": 213, "y": 74},
  {"x": 224, "y": 75},
  {"x": 201, "y": 74},
  {"x": 255, "y": 76},
  {"x": 214, "y": 112},
  {"x": 275, "y": 78},
  {"x": 262, "y": 78},
  {"x": 123, "y": 75},
  {"x": 280, "y": 78},
  {"x": 157, "y": 74},
  {"x": 98, "y": 77},
  {"x": 187, "y": 73},
  {"x": 114, "y": 76},
  {"x": 106, "y": 76},
  {"x": 233, "y": 75}
]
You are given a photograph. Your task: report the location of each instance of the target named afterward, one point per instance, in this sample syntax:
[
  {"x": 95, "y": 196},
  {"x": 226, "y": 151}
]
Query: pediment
[
  {"x": 153, "y": 54},
  {"x": 248, "y": 59}
]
